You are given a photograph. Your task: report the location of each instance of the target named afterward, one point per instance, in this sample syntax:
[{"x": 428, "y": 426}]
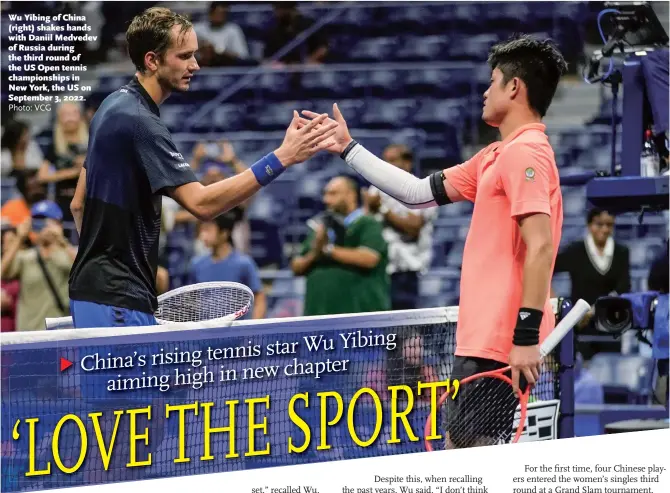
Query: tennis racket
[
  {"x": 482, "y": 408},
  {"x": 209, "y": 304}
]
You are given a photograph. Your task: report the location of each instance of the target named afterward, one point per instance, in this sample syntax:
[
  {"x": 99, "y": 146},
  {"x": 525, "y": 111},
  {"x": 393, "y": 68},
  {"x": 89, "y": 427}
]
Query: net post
[{"x": 566, "y": 372}]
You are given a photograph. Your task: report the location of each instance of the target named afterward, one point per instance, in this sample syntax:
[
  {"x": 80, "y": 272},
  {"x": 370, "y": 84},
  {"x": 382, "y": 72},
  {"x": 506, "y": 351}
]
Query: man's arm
[
  {"x": 360, "y": 257},
  {"x": 166, "y": 170},
  {"x": 536, "y": 234},
  {"x": 409, "y": 225},
  {"x": 260, "y": 305},
  {"x": 444, "y": 187},
  {"x": 78, "y": 201},
  {"x": 207, "y": 202},
  {"x": 302, "y": 264}
]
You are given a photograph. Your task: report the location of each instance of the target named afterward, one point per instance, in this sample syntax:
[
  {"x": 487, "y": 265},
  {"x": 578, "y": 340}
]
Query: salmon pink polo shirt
[{"x": 507, "y": 179}]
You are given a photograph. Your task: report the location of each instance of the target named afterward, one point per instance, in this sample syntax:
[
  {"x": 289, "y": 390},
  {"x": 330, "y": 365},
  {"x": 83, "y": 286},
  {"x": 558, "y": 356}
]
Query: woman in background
[{"x": 66, "y": 155}]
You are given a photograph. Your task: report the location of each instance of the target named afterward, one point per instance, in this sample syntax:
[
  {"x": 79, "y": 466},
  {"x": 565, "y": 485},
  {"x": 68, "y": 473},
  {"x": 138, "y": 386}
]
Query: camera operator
[{"x": 344, "y": 257}]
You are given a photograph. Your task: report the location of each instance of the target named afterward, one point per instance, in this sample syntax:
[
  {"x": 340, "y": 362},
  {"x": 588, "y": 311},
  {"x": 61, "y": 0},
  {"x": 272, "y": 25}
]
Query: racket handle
[{"x": 569, "y": 321}]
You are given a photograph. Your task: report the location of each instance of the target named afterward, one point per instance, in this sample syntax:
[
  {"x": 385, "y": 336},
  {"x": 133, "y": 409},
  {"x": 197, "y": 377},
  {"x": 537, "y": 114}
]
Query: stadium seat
[
  {"x": 388, "y": 113},
  {"x": 374, "y": 49},
  {"x": 416, "y": 48},
  {"x": 626, "y": 379}
]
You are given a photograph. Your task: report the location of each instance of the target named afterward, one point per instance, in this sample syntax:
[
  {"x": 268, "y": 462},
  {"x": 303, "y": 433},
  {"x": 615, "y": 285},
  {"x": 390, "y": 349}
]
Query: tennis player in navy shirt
[
  {"x": 224, "y": 263},
  {"x": 132, "y": 162}
]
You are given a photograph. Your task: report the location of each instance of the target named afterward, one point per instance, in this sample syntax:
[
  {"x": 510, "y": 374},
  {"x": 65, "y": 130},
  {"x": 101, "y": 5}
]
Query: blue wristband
[{"x": 267, "y": 169}]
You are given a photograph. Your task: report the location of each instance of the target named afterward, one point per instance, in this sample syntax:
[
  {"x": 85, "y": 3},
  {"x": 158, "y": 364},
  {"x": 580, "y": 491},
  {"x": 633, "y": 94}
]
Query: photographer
[
  {"x": 42, "y": 270},
  {"x": 344, "y": 257},
  {"x": 66, "y": 155}
]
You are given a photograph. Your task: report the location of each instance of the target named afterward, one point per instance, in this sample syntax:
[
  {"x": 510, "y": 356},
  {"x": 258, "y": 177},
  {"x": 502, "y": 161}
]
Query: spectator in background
[
  {"x": 344, "y": 257},
  {"x": 66, "y": 155},
  {"x": 405, "y": 365},
  {"x": 42, "y": 270},
  {"x": 20, "y": 152},
  {"x": 598, "y": 266},
  {"x": 221, "y": 42},
  {"x": 225, "y": 263},
  {"x": 17, "y": 210},
  {"x": 215, "y": 161},
  {"x": 408, "y": 233},
  {"x": 9, "y": 289},
  {"x": 289, "y": 24}
]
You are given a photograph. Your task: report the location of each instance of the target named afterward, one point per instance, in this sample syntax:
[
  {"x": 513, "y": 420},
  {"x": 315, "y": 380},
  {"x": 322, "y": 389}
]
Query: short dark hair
[
  {"x": 215, "y": 5},
  {"x": 150, "y": 31},
  {"x": 595, "y": 212},
  {"x": 227, "y": 220},
  {"x": 538, "y": 63}
]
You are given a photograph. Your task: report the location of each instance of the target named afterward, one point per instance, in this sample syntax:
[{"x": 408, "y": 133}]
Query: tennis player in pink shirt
[{"x": 515, "y": 232}]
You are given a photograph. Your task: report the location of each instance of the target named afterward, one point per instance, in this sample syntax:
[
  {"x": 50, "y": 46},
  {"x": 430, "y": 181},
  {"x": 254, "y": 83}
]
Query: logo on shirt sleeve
[{"x": 530, "y": 174}]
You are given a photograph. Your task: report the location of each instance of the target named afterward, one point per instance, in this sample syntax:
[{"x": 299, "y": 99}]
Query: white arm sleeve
[{"x": 413, "y": 192}]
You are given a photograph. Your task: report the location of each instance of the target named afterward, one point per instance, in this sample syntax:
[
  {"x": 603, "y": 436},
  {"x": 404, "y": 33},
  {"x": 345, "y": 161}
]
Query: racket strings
[
  {"x": 203, "y": 304},
  {"x": 482, "y": 413}
]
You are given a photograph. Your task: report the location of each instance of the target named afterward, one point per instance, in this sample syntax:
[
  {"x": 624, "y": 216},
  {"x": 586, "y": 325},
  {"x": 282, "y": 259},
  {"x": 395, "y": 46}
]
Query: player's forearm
[
  {"x": 356, "y": 257},
  {"x": 220, "y": 197},
  {"x": 537, "y": 275},
  {"x": 413, "y": 192}
]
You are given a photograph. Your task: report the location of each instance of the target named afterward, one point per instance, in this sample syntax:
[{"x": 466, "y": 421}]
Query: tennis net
[{"x": 54, "y": 383}]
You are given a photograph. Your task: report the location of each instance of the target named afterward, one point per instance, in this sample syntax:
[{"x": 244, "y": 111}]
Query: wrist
[
  {"x": 284, "y": 157},
  {"x": 527, "y": 330},
  {"x": 327, "y": 250},
  {"x": 267, "y": 169},
  {"x": 348, "y": 146}
]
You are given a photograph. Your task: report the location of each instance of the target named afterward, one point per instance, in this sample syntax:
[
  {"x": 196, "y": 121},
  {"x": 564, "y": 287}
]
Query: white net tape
[{"x": 214, "y": 301}]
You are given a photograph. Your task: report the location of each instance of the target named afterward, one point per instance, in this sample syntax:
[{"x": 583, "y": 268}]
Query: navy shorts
[{"x": 88, "y": 315}]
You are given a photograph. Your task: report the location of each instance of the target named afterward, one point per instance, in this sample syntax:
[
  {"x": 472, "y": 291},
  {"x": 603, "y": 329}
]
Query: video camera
[
  {"x": 615, "y": 315},
  {"x": 632, "y": 27}
]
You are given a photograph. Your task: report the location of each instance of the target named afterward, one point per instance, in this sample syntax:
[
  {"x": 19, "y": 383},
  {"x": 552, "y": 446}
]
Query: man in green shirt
[{"x": 344, "y": 257}]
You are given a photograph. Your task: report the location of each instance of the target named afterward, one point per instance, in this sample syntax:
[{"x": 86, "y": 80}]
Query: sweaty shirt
[
  {"x": 131, "y": 160},
  {"x": 507, "y": 179}
]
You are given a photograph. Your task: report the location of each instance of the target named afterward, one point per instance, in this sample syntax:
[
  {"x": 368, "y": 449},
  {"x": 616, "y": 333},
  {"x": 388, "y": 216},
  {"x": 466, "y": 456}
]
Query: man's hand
[
  {"x": 303, "y": 141},
  {"x": 525, "y": 360},
  {"x": 341, "y": 138},
  {"x": 320, "y": 239}
]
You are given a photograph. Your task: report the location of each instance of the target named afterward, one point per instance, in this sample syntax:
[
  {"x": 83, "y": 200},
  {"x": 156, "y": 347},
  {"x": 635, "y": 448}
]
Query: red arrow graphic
[{"x": 65, "y": 364}]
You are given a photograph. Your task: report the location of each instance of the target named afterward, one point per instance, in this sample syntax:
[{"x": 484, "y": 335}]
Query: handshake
[{"x": 310, "y": 133}]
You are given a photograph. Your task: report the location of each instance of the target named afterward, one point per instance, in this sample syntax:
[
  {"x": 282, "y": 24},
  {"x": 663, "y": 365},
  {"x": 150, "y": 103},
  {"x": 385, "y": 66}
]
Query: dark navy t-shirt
[{"x": 131, "y": 161}]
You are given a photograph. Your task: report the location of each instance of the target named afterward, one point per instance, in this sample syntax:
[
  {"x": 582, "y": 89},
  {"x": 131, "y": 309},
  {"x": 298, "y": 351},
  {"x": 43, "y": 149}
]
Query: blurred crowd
[{"x": 222, "y": 42}]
